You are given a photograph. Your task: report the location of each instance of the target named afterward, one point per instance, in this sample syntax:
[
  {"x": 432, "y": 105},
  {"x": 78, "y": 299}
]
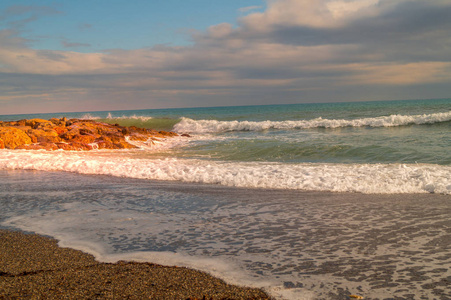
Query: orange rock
[
  {"x": 21, "y": 123},
  {"x": 138, "y": 137},
  {"x": 43, "y": 136},
  {"x": 67, "y": 135},
  {"x": 64, "y": 146},
  {"x": 59, "y": 122},
  {"x": 2, "y": 144},
  {"x": 34, "y": 123},
  {"x": 137, "y": 130},
  {"x": 60, "y": 129},
  {"x": 113, "y": 142},
  {"x": 13, "y": 137},
  {"x": 23, "y": 128},
  {"x": 74, "y": 146},
  {"x": 73, "y": 134},
  {"x": 123, "y": 145},
  {"x": 104, "y": 143},
  {"x": 84, "y": 139}
]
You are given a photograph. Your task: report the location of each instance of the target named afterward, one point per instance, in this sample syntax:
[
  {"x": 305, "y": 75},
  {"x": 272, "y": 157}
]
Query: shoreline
[
  {"x": 32, "y": 265},
  {"x": 330, "y": 245}
]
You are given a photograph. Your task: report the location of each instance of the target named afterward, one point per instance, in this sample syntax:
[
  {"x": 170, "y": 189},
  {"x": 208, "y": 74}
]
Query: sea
[{"x": 307, "y": 201}]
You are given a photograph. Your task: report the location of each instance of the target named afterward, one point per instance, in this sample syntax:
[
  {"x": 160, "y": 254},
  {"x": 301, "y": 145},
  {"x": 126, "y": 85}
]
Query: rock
[
  {"x": 13, "y": 137},
  {"x": 82, "y": 138},
  {"x": 43, "y": 136},
  {"x": 59, "y": 122},
  {"x": 73, "y": 134},
  {"x": 21, "y": 123},
  {"x": 138, "y": 137},
  {"x": 55, "y": 121},
  {"x": 104, "y": 143},
  {"x": 137, "y": 130},
  {"x": 34, "y": 123},
  {"x": 166, "y": 133},
  {"x": 69, "y": 133},
  {"x": 85, "y": 131},
  {"x": 60, "y": 129},
  {"x": 74, "y": 146}
]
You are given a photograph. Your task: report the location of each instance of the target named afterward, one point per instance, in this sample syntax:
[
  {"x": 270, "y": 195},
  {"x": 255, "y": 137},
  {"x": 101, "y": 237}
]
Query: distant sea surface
[{"x": 362, "y": 148}]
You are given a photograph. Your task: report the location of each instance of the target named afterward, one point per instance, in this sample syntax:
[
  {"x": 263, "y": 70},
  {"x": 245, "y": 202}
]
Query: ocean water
[
  {"x": 366, "y": 147},
  {"x": 309, "y": 201}
]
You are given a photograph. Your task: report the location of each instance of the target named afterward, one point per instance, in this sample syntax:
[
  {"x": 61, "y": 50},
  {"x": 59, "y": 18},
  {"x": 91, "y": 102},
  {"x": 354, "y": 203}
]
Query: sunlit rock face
[{"x": 73, "y": 134}]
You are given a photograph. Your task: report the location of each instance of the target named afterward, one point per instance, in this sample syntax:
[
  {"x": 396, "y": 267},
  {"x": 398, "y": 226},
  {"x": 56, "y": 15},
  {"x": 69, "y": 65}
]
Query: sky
[{"x": 71, "y": 56}]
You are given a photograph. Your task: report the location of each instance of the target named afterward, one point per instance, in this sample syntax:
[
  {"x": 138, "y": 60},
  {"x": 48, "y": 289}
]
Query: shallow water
[{"x": 296, "y": 245}]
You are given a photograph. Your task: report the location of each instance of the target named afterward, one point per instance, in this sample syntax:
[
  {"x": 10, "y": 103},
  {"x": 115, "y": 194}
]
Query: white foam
[
  {"x": 159, "y": 144},
  {"x": 88, "y": 116},
  {"x": 211, "y": 126},
  {"x": 76, "y": 236},
  {"x": 363, "y": 178},
  {"x": 133, "y": 117}
]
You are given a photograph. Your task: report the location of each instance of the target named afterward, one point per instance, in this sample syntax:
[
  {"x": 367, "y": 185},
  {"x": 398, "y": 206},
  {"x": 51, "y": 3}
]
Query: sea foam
[
  {"x": 362, "y": 178},
  {"x": 212, "y": 126}
]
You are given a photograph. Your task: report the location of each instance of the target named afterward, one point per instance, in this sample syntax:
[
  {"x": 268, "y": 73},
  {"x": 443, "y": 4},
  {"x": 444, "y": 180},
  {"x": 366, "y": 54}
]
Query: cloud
[
  {"x": 294, "y": 51},
  {"x": 17, "y": 16},
  {"x": 248, "y": 9},
  {"x": 67, "y": 44}
]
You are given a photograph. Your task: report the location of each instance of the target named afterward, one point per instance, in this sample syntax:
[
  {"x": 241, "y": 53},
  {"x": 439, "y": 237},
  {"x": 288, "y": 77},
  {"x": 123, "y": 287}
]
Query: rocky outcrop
[
  {"x": 73, "y": 134},
  {"x": 12, "y": 137}
]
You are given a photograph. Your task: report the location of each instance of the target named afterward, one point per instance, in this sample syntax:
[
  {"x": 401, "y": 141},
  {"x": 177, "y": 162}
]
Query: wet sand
[
  {"x": 313, "y": 245},
  {"x": 34, "y": 267}
]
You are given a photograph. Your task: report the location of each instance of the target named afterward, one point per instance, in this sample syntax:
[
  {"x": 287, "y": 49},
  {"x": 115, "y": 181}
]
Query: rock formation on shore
[{"x": 73, "y": 134}]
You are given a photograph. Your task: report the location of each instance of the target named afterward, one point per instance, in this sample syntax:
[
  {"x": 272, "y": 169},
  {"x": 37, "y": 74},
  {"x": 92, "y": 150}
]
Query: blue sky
[
  {"x": 58, "y": 56},
  {"x": 106, "y": 24}
]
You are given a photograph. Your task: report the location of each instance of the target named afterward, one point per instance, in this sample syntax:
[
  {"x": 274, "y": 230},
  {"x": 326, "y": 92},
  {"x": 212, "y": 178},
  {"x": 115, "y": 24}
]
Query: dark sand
[{"x": 34, "y": 267}]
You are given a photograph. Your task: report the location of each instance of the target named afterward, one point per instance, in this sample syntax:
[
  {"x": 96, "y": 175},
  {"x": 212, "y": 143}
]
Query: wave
[
  {"x": 109, "y": 116},
  {"x": 362, "y": 178},
  {"x": 135, "y": 120},
  {"x": 214, "y": 126},
  {"x": 133, "y": 117}
]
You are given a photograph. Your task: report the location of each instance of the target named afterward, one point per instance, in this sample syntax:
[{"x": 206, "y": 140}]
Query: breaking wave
[
  {"x": 214, "y": 126},
  {"x": 362, "y": 178}
]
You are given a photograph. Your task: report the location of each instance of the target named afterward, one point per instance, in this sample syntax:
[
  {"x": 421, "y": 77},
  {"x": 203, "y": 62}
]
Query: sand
[{"x": 34, "y": 267}]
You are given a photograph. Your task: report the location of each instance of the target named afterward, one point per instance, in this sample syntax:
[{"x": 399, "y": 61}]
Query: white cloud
[
  {"x": 295, "y": 50},
  {"x": 249, "y": 9},
  {"x": 342, "y": 9}
]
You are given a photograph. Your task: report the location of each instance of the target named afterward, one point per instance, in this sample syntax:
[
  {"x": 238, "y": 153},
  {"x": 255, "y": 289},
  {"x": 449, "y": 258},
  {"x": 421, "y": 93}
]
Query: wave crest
[
  {"x": 214, "y": 126},
  {"x": 362, "y": 178}
]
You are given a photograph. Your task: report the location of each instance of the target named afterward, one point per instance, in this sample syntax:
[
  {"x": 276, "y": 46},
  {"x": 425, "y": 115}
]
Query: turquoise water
[
  {"x": 410, "y": 143},
  {"x": 271, "y": 139}
]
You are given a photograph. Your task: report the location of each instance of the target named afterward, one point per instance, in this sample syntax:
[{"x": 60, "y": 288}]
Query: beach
[
  {"x": 294, "y": 245},
  {"x": 34, "y": 267},
  {"x": 276, "y": 149},
  {"x": 308, "y": 201}
]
